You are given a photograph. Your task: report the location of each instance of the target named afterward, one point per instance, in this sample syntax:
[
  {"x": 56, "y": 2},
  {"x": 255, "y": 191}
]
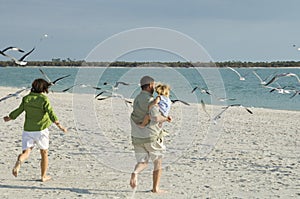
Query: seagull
[
  {"x": 262, "y": 81},
  {"x": 115, "y": 87},
  {"x": 81, "y": 85},
  {"x": 177, "y": 100},
  {"x": 283, "y": 75},
  {"x": 240, "y": 76},
  {"x": 202, "y": 90},
  {"x": 208, "y": 92},
  {"x": 53, "y": 82},
  {"x": 282, "y": 90},
  {"x": 20, "y": 61},
  {"x": 112, "y": 94},
  {"x": 218, "y": 116},
  {"x": 16, "y": 94}
]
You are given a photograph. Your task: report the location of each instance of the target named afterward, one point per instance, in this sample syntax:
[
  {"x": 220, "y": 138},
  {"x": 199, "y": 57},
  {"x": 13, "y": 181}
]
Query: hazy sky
[{"x": 229, "y": 30}]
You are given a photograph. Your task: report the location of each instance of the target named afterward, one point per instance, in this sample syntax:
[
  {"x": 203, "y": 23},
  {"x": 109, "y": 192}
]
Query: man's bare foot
[
  {"x": 16, "y": 168},
  {"x": 133, "y": 180},
  {"x": 46, "y": 178},
  {"x": 159, "y": 191}
]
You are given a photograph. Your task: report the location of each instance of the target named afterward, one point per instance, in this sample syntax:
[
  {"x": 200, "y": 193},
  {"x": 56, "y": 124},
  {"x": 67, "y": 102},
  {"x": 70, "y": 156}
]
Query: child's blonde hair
[{"x": 163, "y": 89}]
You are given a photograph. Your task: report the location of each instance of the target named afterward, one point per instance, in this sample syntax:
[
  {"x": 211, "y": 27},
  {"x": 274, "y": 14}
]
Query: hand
[
  {"x": 6, "y": 118},
  {"x": 169, "y": 119},
  {"x": 65, "y": 130}
]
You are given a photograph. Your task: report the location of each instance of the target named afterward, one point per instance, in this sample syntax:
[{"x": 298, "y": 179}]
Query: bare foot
[
  {"x": 16, "y": 168},
  {"x": 159, "y": 191},
  {"x": 133, "y": 180},
  {"x": 46, "y": 178}
]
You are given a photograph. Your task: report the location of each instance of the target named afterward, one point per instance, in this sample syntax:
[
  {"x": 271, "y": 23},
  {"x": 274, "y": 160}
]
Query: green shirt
[{"x": 39, "y": 114}]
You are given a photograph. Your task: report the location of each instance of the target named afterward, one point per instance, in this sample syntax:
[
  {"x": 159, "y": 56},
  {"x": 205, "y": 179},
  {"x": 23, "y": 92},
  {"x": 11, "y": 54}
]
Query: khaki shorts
[
  {"x": 145, "y": 151},
  {"x": 38, "y": 138}
]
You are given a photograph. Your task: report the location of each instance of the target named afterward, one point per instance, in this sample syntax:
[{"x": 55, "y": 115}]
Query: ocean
[{"x": 220, "y": 82}]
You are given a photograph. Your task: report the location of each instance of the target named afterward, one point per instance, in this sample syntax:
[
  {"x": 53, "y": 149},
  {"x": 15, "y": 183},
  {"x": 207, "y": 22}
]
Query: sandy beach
[{"x": 242, "y": 156}]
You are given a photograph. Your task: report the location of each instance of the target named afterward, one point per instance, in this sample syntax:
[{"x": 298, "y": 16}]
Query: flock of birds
[{"x": 111, "y": 92}]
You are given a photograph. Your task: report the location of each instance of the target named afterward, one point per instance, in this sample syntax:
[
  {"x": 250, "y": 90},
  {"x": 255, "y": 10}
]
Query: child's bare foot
[
  {"x": 46, "y": 178},
  {"x": 133, "y": 180},
  {"x": 159, "y": 191},
  {"x": 16, "y": 168}
]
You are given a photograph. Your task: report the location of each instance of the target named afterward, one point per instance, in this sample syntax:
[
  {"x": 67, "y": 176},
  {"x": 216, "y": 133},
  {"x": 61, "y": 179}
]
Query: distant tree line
[{"x": 82, "y": 63}]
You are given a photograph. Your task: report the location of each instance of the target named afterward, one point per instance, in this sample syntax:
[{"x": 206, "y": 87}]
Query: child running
[
  {"x": 162, "y": 100},
  {"x": 39, "y": 116}
]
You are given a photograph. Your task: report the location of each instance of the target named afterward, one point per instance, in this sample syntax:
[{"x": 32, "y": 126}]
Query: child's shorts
[{"x": 38, "y": 138}]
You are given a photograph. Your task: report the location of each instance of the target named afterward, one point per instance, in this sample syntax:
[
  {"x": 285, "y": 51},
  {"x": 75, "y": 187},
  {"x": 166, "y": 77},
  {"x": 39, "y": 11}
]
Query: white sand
[{"x": 252, "y": 156}]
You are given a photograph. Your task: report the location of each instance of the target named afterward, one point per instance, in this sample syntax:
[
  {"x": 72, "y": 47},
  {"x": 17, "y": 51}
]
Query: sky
[{"x": 229, "y": 30}]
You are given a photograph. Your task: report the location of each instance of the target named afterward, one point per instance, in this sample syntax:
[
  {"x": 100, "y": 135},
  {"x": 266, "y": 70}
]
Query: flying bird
[
  {"x": 115, "y": 87},
  {"x": 20, "y": 61},
  {"x": 208, "y": 92},
  {"x": 282, "y": 90},
  {"x": 218, "y": 116},
  {"x": 81, "y": 85},
  {"x": 16, "y": 94},
  {"x": 52, "y": 82},
  {"x": 262, "y": 81},
  {"x": 202, "y": 90},
  {"x": 240, "y": 76},
  {"x": 114, "y": 95},
  {"x": 282, "y": 75}
]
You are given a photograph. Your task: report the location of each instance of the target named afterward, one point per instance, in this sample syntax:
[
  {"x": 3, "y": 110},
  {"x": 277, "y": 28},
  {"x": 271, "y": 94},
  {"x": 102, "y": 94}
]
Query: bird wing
[
  {"x": 257, "y": 76},
  {"x": 194, "y": 89},
  {"x": 219, "y": 114},
  {"x": 60, "y": 78},
  {"x": 294, "y": 75},
  {"x": 12, "y": 95},
  {"x": 123, "y": 83},
  {"x": 174, "y": 101},
  {"x": 97, "y": 88},
  {"x": 24, "y": 56},
  {"x": 296, "y": 93},
  {"x": 65, "y": 90},
  {"x": 44, "y": 74},
  {"x": 272, "y": 80},
  {"x": 13, "y": 48},
  {"x": 6, "y": 97},
  {"x": 235, "y": 71}
]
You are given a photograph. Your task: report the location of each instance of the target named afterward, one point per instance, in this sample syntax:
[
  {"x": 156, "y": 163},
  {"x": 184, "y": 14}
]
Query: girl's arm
[
  {"x": 15, "y": 113},
  {"x": 65, "y": 130},
  {"x": 156, "y": 116}
]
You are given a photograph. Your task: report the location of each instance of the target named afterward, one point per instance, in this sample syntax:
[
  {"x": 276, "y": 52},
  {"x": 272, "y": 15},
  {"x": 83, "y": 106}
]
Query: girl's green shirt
[{"x": 38, "y": 112}]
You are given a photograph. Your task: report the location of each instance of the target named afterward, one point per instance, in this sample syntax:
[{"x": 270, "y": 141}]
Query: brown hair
[
  {"x": 163, "y": 89},
  {"x": 40, "y": 86}
]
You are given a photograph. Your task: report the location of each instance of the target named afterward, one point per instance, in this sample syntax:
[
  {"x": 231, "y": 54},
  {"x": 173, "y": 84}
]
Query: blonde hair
[{"x": 163, "y": 89}]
